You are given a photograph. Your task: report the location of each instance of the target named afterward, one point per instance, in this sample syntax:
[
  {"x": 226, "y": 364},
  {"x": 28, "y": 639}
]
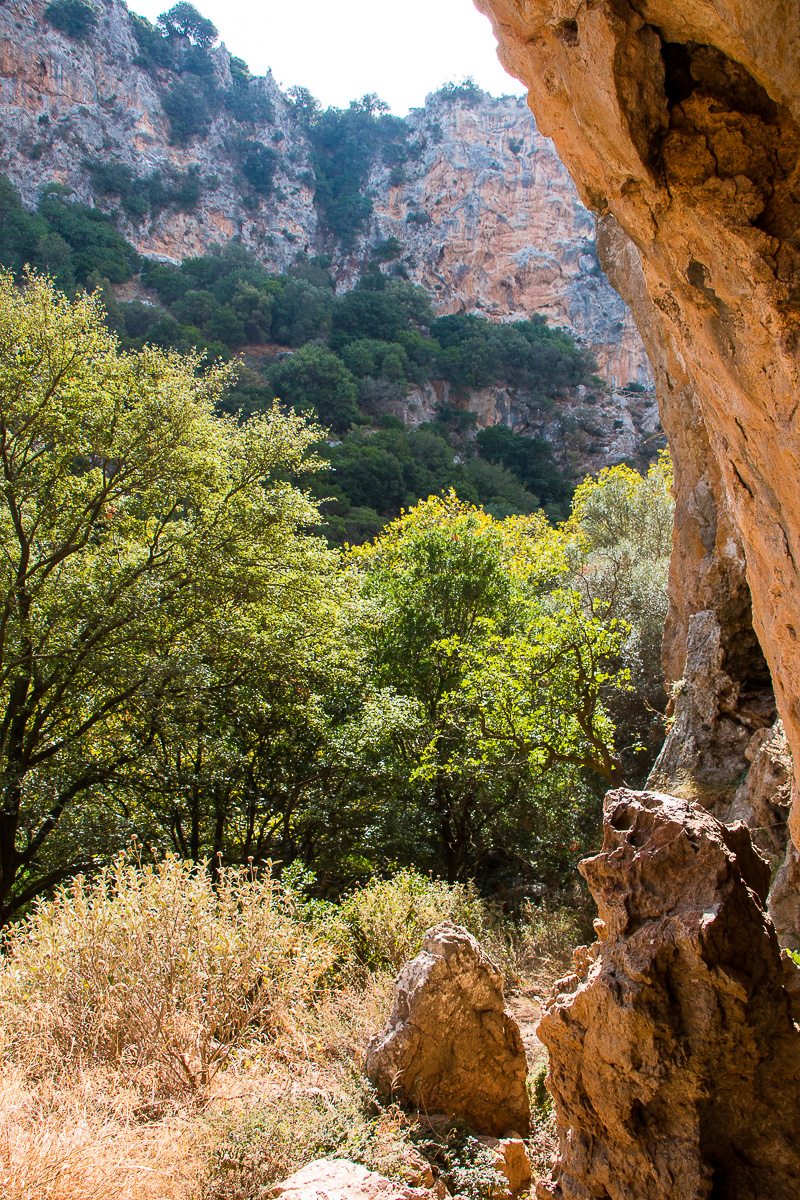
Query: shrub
[
  {"x": 388, "y": 918},
  {"x": 258, "y": 167},
  {"x": 72, "y": 17},
  {"x": 188, "y": 112},
  {"x": 155, "y": 50},
  {"x": 159, "y": 966},
  {"x": 466, "y": 92}
]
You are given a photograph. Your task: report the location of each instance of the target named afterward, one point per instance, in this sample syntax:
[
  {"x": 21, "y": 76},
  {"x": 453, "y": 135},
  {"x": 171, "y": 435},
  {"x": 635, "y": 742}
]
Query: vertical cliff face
[
  {"x": 490, "y": 222},
  {"x": 487, "y": 217},
  {"x": 679, "y": 126}
]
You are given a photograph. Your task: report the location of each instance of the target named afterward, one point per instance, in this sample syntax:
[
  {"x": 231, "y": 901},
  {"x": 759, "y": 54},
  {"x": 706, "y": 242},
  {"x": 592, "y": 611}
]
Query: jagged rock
[
  {"x": 449, "y": 1045},
  {"x": 339, "y": 1179},
  {"x": 511, "y": 1161},
  {"x": 674, "y": 1059}
]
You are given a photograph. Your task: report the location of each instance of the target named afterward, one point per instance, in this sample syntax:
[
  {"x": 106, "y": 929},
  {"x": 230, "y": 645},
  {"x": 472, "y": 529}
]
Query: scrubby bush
[
  {"x": 258, "y": 167},
  {"x": 160, "y": 967},
  {"x": 188, "y": 111},
  {"x": 387, "y": 919},
  {"x": 73, "y": 17}
]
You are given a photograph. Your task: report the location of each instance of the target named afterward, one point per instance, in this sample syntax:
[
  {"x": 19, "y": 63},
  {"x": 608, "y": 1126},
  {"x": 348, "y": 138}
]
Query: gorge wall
[
  {"x": 487, "y": 217},
  {"x": 678, "y": 121}
]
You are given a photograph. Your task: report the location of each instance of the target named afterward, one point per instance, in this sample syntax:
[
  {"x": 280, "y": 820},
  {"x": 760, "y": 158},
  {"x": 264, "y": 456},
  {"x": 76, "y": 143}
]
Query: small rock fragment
[{"x": 339, "y": 1179}]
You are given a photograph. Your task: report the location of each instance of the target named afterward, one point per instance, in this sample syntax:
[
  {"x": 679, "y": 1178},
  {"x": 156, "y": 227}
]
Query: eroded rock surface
[
  {"x": 449, "y": 1045},
  {"x": 678, "y": 120},
  {"x": 674, "y": 1059}
]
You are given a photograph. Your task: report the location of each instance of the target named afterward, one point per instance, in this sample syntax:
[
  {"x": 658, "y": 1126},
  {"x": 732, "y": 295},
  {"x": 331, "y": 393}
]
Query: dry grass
[
  {"x": 80, "y": 1139},
  {"x": 163, "y": 1040}
]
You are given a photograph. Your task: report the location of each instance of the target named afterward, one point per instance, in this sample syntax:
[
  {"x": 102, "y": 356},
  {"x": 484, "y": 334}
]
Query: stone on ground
[
  {"x": 339, "y": 1179},
  {"x": 449, "y": 1045}
]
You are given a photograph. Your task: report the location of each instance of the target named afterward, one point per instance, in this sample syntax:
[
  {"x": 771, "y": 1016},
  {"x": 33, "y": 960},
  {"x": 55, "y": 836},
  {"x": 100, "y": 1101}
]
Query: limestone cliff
[
  {"x": 678, "y": 121},
  {"x": 486, "y": 215}
]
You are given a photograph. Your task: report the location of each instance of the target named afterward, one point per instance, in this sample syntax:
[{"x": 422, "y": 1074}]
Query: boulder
[
  {"x": 339, "y": 1179},
  {"x": 449, "y": 1045},
  {"x": 674, "y": 1059}
]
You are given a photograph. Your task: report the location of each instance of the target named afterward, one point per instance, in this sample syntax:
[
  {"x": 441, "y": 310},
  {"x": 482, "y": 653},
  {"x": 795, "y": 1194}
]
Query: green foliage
[
  {"x": 258, "y": 167},
  {"x": 387, "y": 250},
  {"x": 73, "y": 17},
  {"x": 381, "y": 309},
  {"x": 140, "y": 197},
  {"x": 522, "y": 354},
  {"x": 622, "y": 523},
  {"x": 504, "y": 678},
  {"x": 531, "y": 460},
  {"x": 133, "y": 533},
  {"x": 183, "y": 20},
  {"x": 346, "y": 143},
  {"x": 313, "y": 380},
  {"x": 155, "y": 50},
  {"x": 466, "y": 92},
  {"x": 387, "y": 919},
  {"x": 66, "y": 239},
  {"x": 188, "y": 111}
]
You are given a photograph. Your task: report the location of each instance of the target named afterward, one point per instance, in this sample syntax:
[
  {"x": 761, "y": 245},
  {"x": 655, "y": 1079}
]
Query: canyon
[{"x": 487, "y": 218}]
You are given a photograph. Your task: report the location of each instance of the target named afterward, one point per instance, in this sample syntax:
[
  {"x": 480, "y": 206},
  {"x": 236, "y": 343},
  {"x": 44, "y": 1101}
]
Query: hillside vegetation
[
  {"x": 342, "y": 359},
  {"x": 185, "y": 660}
]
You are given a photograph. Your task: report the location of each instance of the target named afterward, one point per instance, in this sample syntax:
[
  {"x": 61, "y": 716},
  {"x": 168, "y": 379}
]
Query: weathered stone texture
[
  {"x": 449, "y": 1045},
  {"x": 678, "y": 121},
  {"x": 674, "y": 1059}
]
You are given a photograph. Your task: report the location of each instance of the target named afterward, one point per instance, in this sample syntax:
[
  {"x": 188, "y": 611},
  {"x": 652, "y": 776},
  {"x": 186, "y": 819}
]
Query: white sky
[{"x": 342, "y": 49}]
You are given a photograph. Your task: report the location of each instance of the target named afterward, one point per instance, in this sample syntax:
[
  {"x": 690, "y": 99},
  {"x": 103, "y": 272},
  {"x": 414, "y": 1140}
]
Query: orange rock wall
[{"x": 677, "y": 119}]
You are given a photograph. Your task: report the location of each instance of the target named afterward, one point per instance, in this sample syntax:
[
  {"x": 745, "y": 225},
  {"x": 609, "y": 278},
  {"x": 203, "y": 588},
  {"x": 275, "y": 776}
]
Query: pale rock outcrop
[
  {"x": 449, "y": 1045},
  {"x": 674, "y": 1057},
  {"x": 340, "y": 1179},
  {"x": 678, "y": 121}
]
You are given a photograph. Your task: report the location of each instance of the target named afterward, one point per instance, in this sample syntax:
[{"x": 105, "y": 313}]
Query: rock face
[
  {"x": 492, "y": 224},
  {"x": 678, "y": 122},
  {"x": 486, "y": 215},
  {"x": 674, "y": 1058},
  {"x": 449, "y": 1045}
]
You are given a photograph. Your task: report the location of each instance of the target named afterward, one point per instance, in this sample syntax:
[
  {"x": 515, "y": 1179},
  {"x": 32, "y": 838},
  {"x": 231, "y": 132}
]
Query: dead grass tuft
[{"x": 76, "y": 1140}]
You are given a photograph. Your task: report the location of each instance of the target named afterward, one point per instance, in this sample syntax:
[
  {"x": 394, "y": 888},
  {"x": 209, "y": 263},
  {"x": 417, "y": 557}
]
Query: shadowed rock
[
  {"x": 674, "y": 1059},
  {"x": 449, "y": 1045}
]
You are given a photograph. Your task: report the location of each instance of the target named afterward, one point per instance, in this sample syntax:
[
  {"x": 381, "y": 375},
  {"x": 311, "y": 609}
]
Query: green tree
[
  {"x": 504, "y": 675},
  {"x": 313, "y": 380},
  {"x": 132, "y": 520},
  {"x": 621, "y": 524},
  {"x": 183, "y": 20}
]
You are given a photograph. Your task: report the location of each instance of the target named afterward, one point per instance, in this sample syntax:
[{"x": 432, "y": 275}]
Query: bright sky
[{"x": 342, "y": 49}]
